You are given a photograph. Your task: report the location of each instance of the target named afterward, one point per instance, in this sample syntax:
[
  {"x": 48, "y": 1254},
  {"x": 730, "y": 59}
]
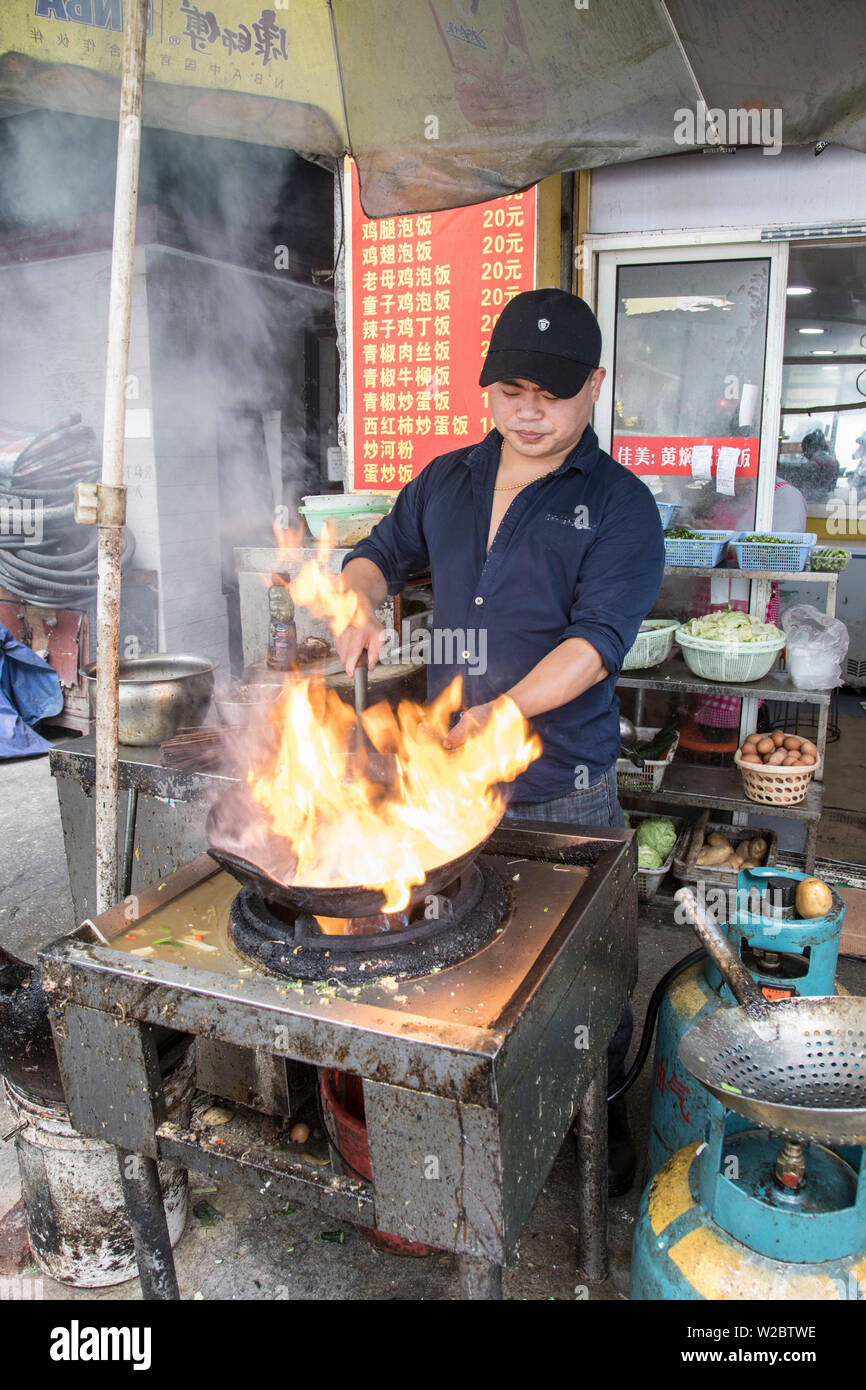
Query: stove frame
[{"x": 491, "y": 1104}]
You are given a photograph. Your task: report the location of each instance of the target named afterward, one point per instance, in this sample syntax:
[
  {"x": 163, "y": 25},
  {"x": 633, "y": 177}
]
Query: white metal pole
[{"x": 110, "y": 532}]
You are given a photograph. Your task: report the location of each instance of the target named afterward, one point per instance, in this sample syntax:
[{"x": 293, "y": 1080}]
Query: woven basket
[
  {"x": 652, "y": 646},
  {"x": 775, "y": 786},
  {"x": 728, "y": 661}
]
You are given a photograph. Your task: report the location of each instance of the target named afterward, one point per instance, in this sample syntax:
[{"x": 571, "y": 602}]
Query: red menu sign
[
  {"x": 423, "y": 293},
  {"x": 672, "y": 454}
]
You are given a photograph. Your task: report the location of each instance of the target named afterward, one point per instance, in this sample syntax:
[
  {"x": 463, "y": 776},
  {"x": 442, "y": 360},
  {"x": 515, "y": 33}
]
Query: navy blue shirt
[{"x": 578, "y": 553}]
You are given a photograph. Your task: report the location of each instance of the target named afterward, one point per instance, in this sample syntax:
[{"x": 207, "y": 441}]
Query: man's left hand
[{"x": 471, "y": 722}]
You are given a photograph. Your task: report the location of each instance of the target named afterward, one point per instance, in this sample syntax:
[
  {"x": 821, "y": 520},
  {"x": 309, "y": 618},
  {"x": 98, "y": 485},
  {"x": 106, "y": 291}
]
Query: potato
[
  {"x": 744, "y": 849},
  {"x": 735, "y": 862},
  {"x": 749, "y": 864},
  {"x": 792, "y": 743},
  {"x": 776, "y": 758},
  {"x": 766, "y": 745},
  {"x": 714, "y": 855},
  {"x": 299, "y": 1133},
  {"x": 718, "y": 840},
  {"x": 778, "y": 737},
  {"x": 758, "y": 849},
  {"x": 814, "y": 898}
]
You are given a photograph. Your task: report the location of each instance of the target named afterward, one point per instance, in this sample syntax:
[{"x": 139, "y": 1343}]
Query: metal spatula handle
[
  {"x": 734, "y": 973},
  {"x": 361, "y": 684}
]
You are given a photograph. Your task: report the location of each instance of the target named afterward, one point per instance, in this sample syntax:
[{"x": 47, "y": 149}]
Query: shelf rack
[{"x": 689, "y": 785}]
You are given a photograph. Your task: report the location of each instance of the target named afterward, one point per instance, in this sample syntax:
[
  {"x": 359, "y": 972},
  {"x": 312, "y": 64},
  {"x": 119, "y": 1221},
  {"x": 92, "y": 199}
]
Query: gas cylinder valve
[{"x": 790, "y": 1168}]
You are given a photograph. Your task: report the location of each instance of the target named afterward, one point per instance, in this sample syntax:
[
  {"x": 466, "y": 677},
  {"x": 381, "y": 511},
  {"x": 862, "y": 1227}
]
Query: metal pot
[{"x": 158, "y": 695}]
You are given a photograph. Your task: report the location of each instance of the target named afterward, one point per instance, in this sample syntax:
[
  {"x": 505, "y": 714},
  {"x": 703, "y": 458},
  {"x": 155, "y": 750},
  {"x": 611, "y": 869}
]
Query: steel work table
[
  {"x": 170, "y": 812},
  {"x": 491, "y": 1094}
]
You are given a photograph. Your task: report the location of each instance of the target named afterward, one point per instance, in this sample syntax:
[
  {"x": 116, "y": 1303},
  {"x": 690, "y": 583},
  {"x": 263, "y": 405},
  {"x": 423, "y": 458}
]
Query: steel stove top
[{"x": 480, "y": 1063}]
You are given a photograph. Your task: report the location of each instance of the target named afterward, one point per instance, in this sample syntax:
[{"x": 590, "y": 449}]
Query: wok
[
  {"x": 231, "y": 851},
  {"x": 797, "y": 1067}
]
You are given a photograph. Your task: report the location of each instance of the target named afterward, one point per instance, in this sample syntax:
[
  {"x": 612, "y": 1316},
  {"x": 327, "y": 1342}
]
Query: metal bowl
[{"x": 158, "y": 695}]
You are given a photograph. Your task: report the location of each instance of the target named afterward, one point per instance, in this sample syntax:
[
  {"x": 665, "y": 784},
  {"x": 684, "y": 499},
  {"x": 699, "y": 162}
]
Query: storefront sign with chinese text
[{"x": 672, "y": 456}]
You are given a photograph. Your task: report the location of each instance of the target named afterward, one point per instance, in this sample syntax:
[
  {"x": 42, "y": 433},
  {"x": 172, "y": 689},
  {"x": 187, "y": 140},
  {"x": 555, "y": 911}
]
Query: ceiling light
[
  {"x": 823, "y": 352},
  {"x": 799, "y": 289},
  {"x": 810, "y": 330}
]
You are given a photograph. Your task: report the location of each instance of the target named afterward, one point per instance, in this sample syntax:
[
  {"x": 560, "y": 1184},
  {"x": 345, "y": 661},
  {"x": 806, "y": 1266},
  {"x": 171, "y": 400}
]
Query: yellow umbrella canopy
[{"x": 449, "y": 102}]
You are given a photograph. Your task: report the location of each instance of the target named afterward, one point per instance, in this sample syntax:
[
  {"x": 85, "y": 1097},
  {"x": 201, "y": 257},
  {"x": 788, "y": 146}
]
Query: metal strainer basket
[{"x": 797, "y": 1067}]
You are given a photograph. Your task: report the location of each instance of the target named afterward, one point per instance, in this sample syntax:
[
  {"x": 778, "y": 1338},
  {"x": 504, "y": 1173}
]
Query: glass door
[{"x": 688, "y": 403}]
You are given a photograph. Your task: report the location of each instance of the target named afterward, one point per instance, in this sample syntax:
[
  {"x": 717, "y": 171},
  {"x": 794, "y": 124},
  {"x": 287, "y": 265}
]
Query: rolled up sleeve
[
  {"x": 397, "y": 544},
  {"x": 620, "y": 577}
]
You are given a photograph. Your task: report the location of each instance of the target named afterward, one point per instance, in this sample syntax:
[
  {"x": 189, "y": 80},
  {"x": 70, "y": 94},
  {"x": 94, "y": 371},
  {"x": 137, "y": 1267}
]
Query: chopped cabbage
[
  {"x": 659, "y": 835},
  {"x": 730, "y": 625}
]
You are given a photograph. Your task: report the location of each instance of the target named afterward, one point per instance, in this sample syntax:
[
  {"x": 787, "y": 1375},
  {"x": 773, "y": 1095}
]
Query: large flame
[
  {"x": 346, "y": 825},
  {"x": 384, "y": 816}
]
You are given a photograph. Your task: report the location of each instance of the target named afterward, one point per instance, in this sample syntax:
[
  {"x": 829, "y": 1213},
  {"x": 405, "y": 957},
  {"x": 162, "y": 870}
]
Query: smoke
[{"x": 219, "y": 427}]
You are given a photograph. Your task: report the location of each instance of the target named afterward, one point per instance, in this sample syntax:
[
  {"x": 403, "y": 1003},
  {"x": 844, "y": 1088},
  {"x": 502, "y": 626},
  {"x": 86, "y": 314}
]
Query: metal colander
[
  {"x": 806, "y": 1079},
  {"x": 797, "y": 1067}
]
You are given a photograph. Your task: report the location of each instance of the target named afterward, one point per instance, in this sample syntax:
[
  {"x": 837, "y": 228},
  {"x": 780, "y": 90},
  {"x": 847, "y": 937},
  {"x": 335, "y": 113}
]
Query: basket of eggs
[{"x": 777, "y": 768}]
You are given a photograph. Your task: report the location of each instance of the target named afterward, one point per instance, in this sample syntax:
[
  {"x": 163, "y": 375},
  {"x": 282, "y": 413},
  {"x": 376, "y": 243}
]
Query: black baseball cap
[{"x": 546, "y": 336}]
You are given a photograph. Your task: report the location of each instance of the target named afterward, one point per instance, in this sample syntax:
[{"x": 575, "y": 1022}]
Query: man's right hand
[
  {"x": 367, "y": 582},
  {"x": 369, "y": 634}
]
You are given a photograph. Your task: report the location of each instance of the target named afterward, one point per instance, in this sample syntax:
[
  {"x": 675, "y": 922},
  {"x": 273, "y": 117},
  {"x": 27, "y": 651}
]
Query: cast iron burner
[{"x": 471, "y": 910}]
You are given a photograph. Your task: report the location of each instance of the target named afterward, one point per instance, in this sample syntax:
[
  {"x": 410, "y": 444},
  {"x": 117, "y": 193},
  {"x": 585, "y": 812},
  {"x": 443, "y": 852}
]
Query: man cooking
[{"x": 541, "y": 539}]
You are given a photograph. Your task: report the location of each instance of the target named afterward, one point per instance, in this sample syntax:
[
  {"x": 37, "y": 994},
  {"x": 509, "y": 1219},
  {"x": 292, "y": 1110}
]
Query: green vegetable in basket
[
  {"x": 682, "y": 533},
  {"x": 656, "y": 748},
  {"x": 730, "y": 625},
  {"x": 830, "y": 557},
  {"x": 659, "y": 835},
  {"x": 648, "y": 858},
  {"x": 765, "y": 540}
]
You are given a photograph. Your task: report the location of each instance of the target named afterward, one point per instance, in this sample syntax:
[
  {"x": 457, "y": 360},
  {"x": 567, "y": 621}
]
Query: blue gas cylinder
[
  {"x": 715, "y": 1223},
  {"x": 788, "y": 956}
]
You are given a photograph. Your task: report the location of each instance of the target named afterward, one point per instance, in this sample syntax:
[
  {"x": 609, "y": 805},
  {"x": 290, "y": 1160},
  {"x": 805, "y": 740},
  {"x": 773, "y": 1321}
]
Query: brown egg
[
  {"x": 751, "y": 738},
  {"x": 776, "y": 758},
  {"x": 808, "y": 747},
  {"x": 299, "y": 1133},
  {"x": 753, "y": 758},
  {"x": 791, "y": 758},
  {"x": 808, "y": 759},
  {"x": 778, "y": 737},
  {"x": 792, "y": 743},
  {"x": 766, "y": 745}
]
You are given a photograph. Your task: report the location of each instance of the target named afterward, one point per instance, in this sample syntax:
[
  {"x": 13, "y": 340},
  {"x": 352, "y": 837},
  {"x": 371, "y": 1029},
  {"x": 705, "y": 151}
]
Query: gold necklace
[{"x": 515, "y": 487}]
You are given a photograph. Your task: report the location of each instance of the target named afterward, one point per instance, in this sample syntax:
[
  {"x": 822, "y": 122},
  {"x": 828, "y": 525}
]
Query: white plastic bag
[{"x": 816, "y": 647}]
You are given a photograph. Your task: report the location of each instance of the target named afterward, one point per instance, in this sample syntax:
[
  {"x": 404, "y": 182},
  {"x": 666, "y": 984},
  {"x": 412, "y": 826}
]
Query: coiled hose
[
  {"x": 60, "y": 571},
  {"x": 56, "y": 574}
]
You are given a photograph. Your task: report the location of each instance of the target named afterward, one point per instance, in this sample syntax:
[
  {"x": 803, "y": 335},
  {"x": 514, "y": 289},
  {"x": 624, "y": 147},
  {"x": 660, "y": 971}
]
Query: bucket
[
  {"x": 76, "y": 1215},
  {"x": 343, "y": 1113}
]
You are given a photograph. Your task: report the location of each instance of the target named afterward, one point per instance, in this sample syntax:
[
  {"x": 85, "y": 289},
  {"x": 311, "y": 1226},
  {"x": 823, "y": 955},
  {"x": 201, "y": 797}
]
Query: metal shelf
[
  {"x": 689, "y": 784},
  {"x": 675, "y": 675},
  {"x": 722, "y": 571}
]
